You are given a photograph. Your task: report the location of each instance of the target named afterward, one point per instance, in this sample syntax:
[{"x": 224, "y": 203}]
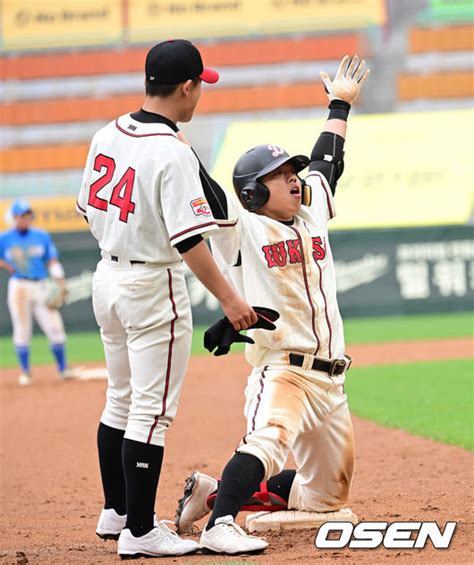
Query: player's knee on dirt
[
  {"x": 271, "y": 444},
  {"x": 320, "y": 493}
]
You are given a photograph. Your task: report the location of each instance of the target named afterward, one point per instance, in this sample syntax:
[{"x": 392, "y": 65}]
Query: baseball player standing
[
  {"x": 30, "y": 256},
  {"x": 277, "y": 253},
  {"x": 143, "y": 198}
]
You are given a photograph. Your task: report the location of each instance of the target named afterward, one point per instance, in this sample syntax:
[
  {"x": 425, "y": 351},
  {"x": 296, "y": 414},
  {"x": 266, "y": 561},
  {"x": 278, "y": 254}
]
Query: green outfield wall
[{"x": 379, "y": 272}]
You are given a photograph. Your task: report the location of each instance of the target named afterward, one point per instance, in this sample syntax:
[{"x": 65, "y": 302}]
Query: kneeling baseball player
[{"x": 277, "y": 253}]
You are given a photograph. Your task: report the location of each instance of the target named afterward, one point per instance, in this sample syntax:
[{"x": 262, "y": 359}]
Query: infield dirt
[{"x": 51, "y": 493}]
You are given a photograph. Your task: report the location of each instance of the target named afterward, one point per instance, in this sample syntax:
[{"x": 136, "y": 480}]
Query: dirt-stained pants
[{"x": 304, "y": 412}]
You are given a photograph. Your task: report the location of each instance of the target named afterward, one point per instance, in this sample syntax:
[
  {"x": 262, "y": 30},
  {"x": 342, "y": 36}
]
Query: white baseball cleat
[
  {"x": 158, "y": 542},
  {"x": 25, "y": 379},
  {"x": 229, "y": 538},
  {"x": 193, "y": 505},
  {"x": 110, "y": 524}
]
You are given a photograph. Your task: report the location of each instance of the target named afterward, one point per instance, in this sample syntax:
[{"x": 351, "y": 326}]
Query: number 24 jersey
[{"x": 141, "y": 192}]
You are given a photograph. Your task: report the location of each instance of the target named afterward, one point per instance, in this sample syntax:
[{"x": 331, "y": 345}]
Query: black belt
[
  {"x": 332, "y": 367},
  {"x": 34, "y": 279},
  {"x": 116, "y": 259}
]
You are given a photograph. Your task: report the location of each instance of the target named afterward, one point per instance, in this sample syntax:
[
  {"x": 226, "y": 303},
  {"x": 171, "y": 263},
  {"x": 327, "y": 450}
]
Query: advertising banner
[
  {"x": 406, "y": 271},
  {"x": 150, "y": 20},
  {"x": 379, "y": 272},
  {"x": 28, "y": 24},
  {"x": 397, "y": 171},
  {"x": 53, "y": 214}
]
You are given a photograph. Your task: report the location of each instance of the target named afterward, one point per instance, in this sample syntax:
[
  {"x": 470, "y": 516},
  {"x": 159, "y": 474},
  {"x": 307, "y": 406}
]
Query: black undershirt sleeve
[
  {"x": 214, "y": 194},
  {"x": 189, "y": 243}
]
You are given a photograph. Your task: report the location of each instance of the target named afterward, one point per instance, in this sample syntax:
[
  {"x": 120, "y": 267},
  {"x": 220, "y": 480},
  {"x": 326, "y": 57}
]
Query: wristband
[
  {"x": 339, "y": 110},
  {"x": 56, "y": 270}
]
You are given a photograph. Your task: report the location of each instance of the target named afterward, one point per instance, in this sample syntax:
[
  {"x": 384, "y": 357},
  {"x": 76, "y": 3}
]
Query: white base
[
  {"x": 87, "y": 373},
  {"x": 296, "y": 519}
]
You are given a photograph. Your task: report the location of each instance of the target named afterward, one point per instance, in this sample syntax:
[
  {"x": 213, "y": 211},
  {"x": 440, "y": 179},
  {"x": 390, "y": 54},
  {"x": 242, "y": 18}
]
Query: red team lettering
[
  {"x": 318, "y": 249},
  {"x": 294, "y": 251},
  {"x": 289, "y": 251},
  {"x": 275, "y": 254}
]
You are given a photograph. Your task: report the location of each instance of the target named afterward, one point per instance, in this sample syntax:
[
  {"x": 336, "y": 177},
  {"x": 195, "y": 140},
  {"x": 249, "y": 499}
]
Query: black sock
[
  {"x": 109, "y": 445},
  {"x": 142, "y": 467},
  {"x": 281, "y": 484},
  {"x": 240, "y": 479}
]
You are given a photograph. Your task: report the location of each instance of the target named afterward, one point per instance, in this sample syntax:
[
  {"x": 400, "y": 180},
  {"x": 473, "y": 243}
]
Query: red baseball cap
[{"x": 175, "y": 61}]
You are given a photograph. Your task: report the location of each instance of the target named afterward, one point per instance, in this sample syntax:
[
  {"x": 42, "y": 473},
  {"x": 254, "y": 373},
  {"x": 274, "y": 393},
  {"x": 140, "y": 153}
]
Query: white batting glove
[{"x": 348, "y": 81}]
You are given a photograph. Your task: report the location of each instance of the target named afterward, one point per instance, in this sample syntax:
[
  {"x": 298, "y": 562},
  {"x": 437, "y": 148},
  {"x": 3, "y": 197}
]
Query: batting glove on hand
[
  {"x": 348, "y": 81},
  {"x": 222, "y": 335}
]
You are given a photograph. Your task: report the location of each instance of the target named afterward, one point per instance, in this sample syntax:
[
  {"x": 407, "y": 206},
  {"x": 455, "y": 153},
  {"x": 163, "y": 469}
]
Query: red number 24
[{"x": 124, "y": 202}]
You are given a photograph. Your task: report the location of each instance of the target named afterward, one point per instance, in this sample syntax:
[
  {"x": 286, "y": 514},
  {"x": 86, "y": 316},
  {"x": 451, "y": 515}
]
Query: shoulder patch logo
[{"x": 200, "y": 207}]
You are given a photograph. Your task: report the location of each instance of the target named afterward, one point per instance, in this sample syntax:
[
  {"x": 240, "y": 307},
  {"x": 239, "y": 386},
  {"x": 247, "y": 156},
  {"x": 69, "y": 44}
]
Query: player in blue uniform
[{"x": 30, "y": 256}]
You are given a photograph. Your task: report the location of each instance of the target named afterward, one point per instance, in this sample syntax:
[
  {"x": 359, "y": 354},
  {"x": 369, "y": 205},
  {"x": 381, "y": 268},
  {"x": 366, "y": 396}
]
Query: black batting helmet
[{"x": 256, "y": 163}]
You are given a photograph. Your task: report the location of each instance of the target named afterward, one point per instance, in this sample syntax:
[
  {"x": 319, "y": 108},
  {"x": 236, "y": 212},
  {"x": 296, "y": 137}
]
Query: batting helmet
[{"x": 256, "y": 163}]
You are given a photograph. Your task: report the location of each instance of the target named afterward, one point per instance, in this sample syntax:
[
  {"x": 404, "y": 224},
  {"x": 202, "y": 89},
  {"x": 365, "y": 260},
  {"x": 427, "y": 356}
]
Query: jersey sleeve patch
[{"x": 200, "y": 207}]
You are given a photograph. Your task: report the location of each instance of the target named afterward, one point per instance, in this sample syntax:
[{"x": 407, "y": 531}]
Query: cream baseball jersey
[
  {"x": 288, "y": 267},
  {"x": 141, "y": 192}
]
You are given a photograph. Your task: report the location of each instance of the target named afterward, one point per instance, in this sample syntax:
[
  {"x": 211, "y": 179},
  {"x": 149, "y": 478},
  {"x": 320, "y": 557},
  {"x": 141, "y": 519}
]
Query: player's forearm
[
  {"x": 61, "y": 284},
  {"x": 328, "y": 151},
  {"x": 339, "y": 127},
  {"x": 337, "y": 119},
  {"x": 201, "y": 262},
  {"x": 6, "y": 266}
]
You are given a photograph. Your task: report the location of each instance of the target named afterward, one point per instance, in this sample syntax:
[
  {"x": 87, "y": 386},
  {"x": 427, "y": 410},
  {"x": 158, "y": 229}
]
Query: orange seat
[{"x": 450, "y": 38}]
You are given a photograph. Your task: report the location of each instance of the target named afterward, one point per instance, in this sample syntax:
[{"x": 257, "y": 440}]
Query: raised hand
[{"x": 348, "y": 81}]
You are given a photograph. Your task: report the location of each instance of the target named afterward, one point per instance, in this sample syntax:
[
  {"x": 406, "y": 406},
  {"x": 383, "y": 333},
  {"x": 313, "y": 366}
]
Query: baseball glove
[
  {"x": 222, "y": 335},
  {"x": 55, "y": 295}
]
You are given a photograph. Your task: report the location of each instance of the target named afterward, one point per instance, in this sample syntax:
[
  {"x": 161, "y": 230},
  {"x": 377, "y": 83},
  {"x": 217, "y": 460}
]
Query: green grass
[
  {"x": 433, "y": 399},
  {"x": 409, "y": 328},
  {"x": 83, "y": 347}
]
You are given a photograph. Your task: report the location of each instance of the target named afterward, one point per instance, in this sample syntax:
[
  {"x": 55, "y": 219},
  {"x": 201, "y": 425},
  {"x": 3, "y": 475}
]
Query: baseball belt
[
  {"x": 333, "y": 367},
  {"x": 132, "y": 262}
]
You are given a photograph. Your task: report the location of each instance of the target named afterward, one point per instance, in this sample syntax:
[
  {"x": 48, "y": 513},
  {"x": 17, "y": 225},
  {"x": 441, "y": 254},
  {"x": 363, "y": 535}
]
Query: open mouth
[{"x": 295, "y": 190}]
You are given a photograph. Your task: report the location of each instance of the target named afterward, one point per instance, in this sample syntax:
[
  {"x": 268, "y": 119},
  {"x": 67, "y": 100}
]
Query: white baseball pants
[
  {"x": 144, "y": 316},
  {"x": 27, "y": 299},
  {"x": 304, "y": 412}
]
